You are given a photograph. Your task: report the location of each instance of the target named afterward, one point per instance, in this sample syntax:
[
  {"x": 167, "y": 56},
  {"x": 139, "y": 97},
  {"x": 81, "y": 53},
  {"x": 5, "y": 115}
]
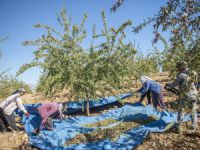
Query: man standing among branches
[{"x": 188, "y": 95}]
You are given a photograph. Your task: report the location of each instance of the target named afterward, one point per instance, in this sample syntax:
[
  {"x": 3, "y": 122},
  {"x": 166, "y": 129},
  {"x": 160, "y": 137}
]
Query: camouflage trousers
[{"x": 183, "y": 104}]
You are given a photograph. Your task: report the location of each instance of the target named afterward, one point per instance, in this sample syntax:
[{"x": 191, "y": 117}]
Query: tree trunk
[
  {"x": 87, "y": 106},
  {"x": 136, "y": 83}
]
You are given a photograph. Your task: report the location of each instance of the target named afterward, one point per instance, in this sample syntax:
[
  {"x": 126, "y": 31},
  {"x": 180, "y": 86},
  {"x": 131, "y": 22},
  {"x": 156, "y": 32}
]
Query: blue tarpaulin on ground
[
  {"x": 76, "y": 106},
  {"x": 69, "y": 128}
]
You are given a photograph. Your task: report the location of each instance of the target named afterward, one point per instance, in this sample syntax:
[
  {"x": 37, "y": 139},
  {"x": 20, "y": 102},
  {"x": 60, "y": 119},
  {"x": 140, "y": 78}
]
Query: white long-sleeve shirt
[{"x": 11, "y": 103}]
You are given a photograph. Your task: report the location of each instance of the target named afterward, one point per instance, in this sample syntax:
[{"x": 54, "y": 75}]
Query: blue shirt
[{"x": 150, "y": 86}]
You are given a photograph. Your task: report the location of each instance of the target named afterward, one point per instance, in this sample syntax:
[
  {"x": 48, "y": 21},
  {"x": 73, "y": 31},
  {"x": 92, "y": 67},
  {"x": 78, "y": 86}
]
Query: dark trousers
[
  {"x": 155, "y": 98},
  {"x": 148, "y": 94},
  {"x": 6, "y": 121},
  {"x": 158, "y": 100}
]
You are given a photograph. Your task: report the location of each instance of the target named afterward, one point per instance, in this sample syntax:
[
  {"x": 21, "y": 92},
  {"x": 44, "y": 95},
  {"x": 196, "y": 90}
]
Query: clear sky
[{"x": 17, "y": 18}]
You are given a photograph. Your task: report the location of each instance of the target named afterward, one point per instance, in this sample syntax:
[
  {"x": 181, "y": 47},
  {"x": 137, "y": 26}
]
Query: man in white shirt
[{"x": 7, "y": 108}]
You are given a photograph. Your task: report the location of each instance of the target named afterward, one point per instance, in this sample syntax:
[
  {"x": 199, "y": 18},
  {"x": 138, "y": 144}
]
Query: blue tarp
[
  {"x": 76, "y": 106},
  {"x": 69, "y": 128}
]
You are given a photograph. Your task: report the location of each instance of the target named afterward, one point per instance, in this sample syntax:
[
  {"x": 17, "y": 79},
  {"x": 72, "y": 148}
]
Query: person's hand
[
  {"x": 27, "y": 114},
  {"x": 166, "y": 85},
  {"x": 36, "y": 131},
  {"x": 137, "y": 94}
]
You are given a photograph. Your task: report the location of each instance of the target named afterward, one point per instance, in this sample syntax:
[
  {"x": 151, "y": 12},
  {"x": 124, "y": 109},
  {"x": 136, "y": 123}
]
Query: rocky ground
[{"x": 170, "y": 140}]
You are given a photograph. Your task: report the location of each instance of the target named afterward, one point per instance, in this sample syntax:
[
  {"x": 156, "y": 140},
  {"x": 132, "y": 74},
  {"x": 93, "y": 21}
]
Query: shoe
[{"x": 9, "y": 129}]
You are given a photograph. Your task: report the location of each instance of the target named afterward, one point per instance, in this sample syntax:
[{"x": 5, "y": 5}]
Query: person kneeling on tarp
[
  {"x": 7, "y": 108},
  {"x": 48, "y": 111},
  {"x": 152, "y": 90}
]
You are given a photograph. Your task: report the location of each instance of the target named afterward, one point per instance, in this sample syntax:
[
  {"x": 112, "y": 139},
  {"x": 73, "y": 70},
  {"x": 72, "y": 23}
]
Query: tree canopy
[
  {"x": 85, "y": 72},
  {"x": 181, "y": 19}
]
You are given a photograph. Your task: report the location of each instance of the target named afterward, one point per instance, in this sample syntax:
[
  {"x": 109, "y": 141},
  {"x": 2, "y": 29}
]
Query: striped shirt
[{"x": 11, "y": 103}]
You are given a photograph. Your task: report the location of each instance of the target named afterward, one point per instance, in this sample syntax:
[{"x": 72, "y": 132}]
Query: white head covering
[
  {"x": 143, "y": 79},
  {"x": 21, "y": 89},
  {"x": 148, "y": 78}
]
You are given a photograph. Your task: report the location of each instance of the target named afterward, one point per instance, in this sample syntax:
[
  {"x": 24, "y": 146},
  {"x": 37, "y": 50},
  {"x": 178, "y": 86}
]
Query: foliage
[
  {"x": 113, "y": 58},
  {"x": 117, "y": 5},
  {"x": 59, "y": 55},
  {"x": 160, "y": 57},
  {"x": 146, "y": 65},
  {"x": 86, "y": 73},
  {"x": 192, "y": 55},
  {"x": 180, "y": 18},
  {"x": 9, "y": 84}
]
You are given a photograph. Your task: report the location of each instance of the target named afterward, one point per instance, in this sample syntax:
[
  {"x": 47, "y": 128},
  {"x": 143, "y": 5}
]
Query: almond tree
[{"x": 86, "y": 73}]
